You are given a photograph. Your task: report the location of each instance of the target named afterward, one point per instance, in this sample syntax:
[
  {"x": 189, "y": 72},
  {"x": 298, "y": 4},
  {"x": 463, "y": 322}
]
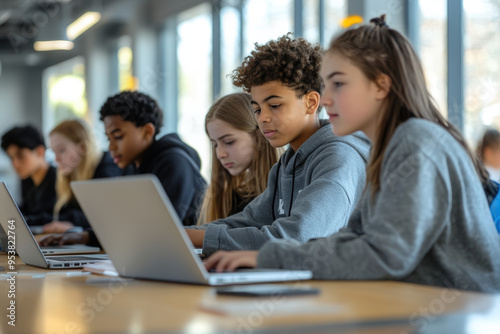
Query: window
[
  {"x": 194, "y": 54},
  {"x": 64, "y": 93},
  {"x": 310, "y": 17},
  {"x": 335, "y": 11},
  {"x": 230, "y": 47},
  {"x": 482, "y": 66},
  {"x": 266, "y": 20},
  {"x": 126, "y": 80},
  {"x": 433, "y": 50}
]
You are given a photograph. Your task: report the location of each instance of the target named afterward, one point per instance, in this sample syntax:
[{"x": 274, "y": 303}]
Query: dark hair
[
  {"x": 377, "y": 49},
  {"x": 23, "y": 137},
  {"x": 134, "y": 107},
  {"x": 491, "y": 138},
  {"x": 293, "y": 62}
]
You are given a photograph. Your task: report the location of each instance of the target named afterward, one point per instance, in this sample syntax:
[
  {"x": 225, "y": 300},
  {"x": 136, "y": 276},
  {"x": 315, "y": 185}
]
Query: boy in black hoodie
[{"x": 132, "y": 120}]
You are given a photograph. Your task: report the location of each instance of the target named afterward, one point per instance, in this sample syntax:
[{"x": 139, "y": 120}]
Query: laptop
[
  {"x": 48, "y": 250},
  {"x": 153, "y": 243},
  {"x": 14, "y": 225}
]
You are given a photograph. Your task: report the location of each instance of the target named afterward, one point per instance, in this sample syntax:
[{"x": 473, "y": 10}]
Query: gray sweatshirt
[
  {"x": 429, "y": 223},
  {"x": 310, "y": 194}
]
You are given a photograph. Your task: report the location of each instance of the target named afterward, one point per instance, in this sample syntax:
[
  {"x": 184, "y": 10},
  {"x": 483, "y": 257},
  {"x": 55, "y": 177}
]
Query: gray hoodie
[
  {"x": 429, "y": 223},
  {"x": 310, "y": 194}
]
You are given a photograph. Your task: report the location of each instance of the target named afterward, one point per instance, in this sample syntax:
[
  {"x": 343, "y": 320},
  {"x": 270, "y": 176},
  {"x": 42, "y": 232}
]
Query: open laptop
[
  {"x": 26, "y": 245},
  {"x": 153, "y": 243},
  {"x": 49, "y": 250}
]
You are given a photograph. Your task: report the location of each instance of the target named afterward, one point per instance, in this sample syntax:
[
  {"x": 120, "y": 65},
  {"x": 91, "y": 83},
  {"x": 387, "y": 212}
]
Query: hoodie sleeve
[
  {"x": 320, "y": 209},
  {"x": 392, "y": 243},
  {"x": 256, "y": 213}
]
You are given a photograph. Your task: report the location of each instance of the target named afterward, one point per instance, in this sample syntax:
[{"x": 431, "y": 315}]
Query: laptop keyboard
[{"x": 76, "y": 258}]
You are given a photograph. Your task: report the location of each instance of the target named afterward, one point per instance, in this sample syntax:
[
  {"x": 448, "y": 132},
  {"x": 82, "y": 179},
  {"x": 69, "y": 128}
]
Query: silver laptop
[
  {"x": 153, "y": 243},
  {"x": 17, "y": 231}
]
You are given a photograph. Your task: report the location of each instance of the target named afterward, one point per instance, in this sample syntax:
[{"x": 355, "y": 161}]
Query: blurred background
[{"x": 61, "y": 59}]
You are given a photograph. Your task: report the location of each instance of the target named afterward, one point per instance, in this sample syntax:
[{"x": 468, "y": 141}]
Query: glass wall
[
  {"x": 482, "y": 66},
  {"x": 433, "y": 51},
  {"x": 266, "y": 20},
  {"x": 310, "y": 17},
  {"x": 335, "y": 11},
  {"x": 194, "y": 54},
  {"x": 126, "y": 80},
  {"x": 65, "y": 95},
  {"x": 230, "y": 47}
]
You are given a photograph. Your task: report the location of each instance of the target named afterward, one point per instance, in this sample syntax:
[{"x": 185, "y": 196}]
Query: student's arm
[
  {"x": 39, "y": 219},
  {"x": 75, "y": 216},
  {"x": 320, "y": 209},
  {"x": 408, "y": 216}
]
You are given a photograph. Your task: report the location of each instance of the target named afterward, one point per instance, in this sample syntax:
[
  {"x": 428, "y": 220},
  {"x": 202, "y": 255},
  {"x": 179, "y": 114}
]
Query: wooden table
[{"x": 71, "y": 301}]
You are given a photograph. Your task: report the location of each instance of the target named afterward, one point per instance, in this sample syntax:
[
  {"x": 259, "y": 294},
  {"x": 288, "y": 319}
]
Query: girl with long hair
[
  {"x": 78, "y": 158},
  {"x": 241, "y": 157}
]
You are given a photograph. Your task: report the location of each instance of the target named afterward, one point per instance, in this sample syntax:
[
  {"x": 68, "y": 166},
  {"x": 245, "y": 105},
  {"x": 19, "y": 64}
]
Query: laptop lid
[
  {"x": 25, "y": 244},
  {"x": 151, "y": 242}
]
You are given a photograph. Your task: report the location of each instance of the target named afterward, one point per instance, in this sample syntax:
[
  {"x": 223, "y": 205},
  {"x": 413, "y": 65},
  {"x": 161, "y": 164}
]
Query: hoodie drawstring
[
  {"x": 293, "y": 182},
  {"x": 276, "y": 188}
]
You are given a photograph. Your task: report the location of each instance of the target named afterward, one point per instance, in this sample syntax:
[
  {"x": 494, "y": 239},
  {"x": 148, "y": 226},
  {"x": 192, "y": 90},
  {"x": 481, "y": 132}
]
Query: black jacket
[
  {"x": 39, "y": 200},
  {"x": 177, "y": 166}
]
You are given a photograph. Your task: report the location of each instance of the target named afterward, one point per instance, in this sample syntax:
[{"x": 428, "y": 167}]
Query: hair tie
[{"x": 379, "y": 21}]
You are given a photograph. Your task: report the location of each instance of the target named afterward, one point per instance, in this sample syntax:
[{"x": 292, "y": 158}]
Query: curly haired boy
[{"x": 318, "y": 180}]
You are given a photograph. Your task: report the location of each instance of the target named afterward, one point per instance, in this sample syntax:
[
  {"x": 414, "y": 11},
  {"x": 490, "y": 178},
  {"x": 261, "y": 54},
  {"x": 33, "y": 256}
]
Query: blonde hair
[
  {"x": 79, "y": 133},
  {"x": 376, "y": 49},
  {"x": 236, "y": 110}
]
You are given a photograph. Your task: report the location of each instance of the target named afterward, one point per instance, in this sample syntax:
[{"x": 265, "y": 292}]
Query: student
[
  {"x": 423, "y": 217},
  {"x": 132, "y": 120},
  {"x": 78, "y": 158},
  {"x": 241, "y": 157},
  {"x": 25, "y": 147},
  {"x": 488, "y": 150},
  {"x": 318, "y": 180}
]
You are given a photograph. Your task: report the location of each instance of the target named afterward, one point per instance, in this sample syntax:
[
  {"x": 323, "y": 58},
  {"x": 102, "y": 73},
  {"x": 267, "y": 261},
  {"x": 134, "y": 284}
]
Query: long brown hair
[
  {"x": 236, "y": 110},
  {"x": 79, "y": 133},
  {"x": 376, "y": 50}
]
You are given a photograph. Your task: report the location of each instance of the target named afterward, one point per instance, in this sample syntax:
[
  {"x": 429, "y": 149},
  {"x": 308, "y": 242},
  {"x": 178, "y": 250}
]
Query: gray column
[
  {"x": 298, "y": 21},
  {"x": 455, "y": 59},
  {"x": 170, "y": 91}
]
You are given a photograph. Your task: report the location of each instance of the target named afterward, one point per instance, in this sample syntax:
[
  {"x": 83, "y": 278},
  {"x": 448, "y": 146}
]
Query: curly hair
[
  {"x": 293, "y": 62},
  {"x": 134, "y": 107}
]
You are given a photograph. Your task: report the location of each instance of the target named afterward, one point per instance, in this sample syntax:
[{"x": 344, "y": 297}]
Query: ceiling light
[
  {"x": 53, "y": 45},
  {"x": 81, "y": 24}
]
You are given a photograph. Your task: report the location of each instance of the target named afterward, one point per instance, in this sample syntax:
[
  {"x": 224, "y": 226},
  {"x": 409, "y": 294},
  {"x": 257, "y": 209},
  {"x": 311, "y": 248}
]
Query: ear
[
  {"x": 383, "y": 83},
  {"x": 40, "y": 151},
  {"x": 312, "y": 101},
  {"x": 148, "y": 131}
]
